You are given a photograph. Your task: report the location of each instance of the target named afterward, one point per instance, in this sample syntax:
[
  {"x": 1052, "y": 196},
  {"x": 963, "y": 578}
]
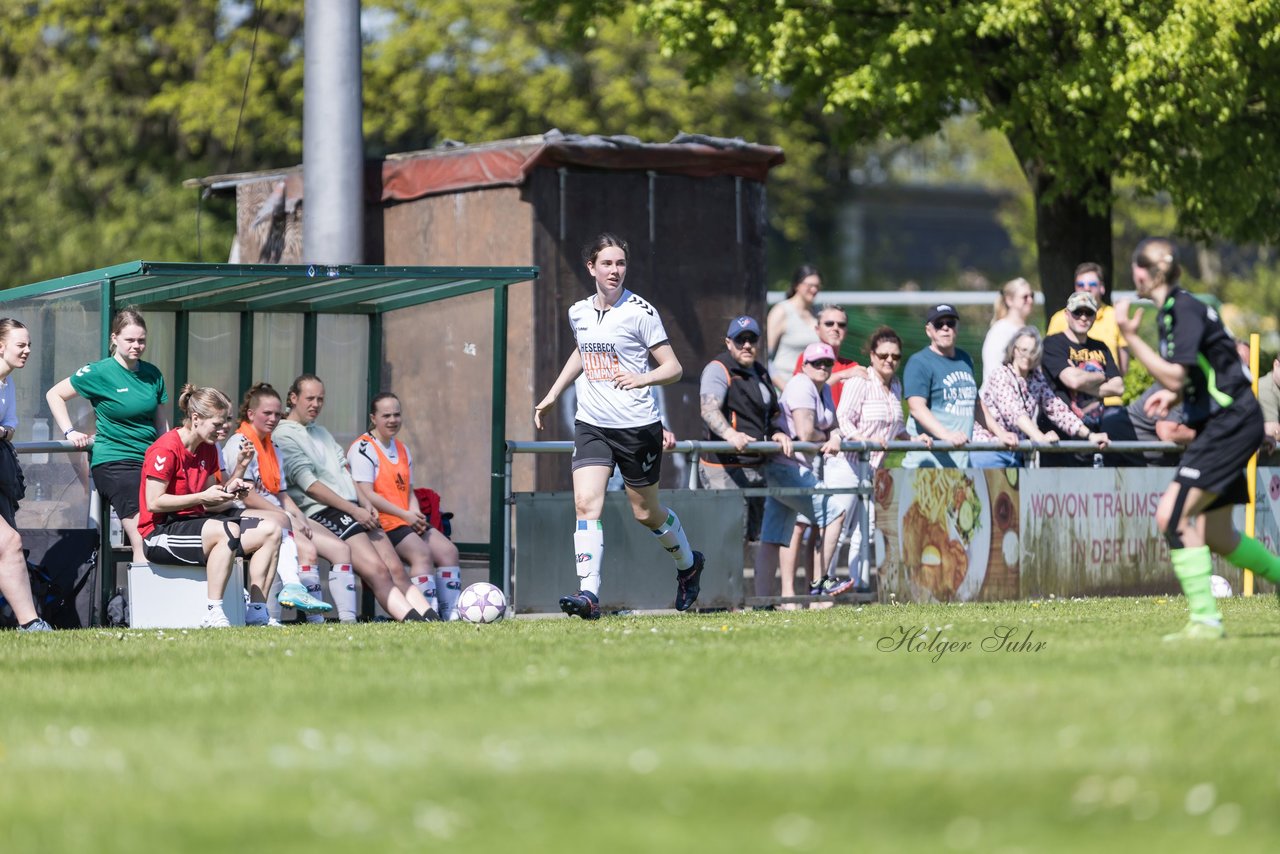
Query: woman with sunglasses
[
  {"x": 870, "y": 411},
  {"x": 1012, "y": 312},
  {"x": 1015, "y": 394},
  {"x": 807, "y": 415},
  {"x": 791, "y": 325},
  {"x": 1197, "y": 363}
]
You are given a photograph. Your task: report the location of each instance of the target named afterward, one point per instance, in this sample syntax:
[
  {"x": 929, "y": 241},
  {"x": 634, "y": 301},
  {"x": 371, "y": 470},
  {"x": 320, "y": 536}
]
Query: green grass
[{"x": 714, "y": 733}]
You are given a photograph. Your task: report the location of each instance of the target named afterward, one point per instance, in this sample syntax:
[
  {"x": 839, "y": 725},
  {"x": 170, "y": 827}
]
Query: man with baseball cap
[
  {"x": 941, "y": 392},
  {"x": 739, "y": 404},
  {"x": 1089, "y": 280},
  {"x": 1082, "y": 372}
]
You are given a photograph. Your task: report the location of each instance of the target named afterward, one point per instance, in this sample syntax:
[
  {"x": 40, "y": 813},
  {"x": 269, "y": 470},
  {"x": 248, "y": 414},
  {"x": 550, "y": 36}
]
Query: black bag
[
  {"x": 63, "y": 565},
  {"x": 118, "y": 610}
]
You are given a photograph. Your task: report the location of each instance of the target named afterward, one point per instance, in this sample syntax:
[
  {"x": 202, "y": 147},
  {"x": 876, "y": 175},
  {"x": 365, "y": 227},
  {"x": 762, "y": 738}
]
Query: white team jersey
[
  {"x": 364, "y": 459},
  {"x": 619, "y": 338},
  {"x": 231, "y": 451}
]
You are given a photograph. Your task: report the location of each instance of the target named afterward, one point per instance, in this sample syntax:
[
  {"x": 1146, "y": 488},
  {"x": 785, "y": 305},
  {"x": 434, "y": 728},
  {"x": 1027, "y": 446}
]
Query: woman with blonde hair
[
  {"x": 1013, "y": 307},
  {"x": 187, "y": 517}
]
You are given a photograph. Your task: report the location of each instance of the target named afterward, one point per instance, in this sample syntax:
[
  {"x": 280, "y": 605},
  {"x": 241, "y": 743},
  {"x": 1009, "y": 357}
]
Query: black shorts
[
  {"x": 179, "y": 541},
  {"x": 118, "y": 483},
  {"x": 341, "y": 525},
  {"x": 637, "y": 451},
  {"x": 399, "y": 535},
  {"x": 1216, "y": 459}
]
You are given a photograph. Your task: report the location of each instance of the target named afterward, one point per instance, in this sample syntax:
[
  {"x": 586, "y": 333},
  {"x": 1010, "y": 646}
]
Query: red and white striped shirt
[{"x": 870, "y": 412}]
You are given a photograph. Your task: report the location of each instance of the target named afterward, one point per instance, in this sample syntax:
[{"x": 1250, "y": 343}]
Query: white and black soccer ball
[{"x": 482, "y": 603}]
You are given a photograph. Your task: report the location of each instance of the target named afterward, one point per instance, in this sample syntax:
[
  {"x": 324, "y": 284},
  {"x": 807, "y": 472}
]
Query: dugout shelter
[{"x": 230, "y": 325}]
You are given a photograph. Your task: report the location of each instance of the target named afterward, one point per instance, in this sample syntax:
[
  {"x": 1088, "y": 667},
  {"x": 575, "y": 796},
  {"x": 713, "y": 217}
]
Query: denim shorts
[{"x": 780, "y": 512}]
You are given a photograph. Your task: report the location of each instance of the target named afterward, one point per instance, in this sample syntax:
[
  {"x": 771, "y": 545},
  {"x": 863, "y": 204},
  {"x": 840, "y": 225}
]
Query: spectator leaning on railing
[
  {"x": 1014, "y": 395},
  {"x": 942, "y": 394},
  {"x": 1089, "y": 280},
  {"x": 1082, "y": 371},
  {"x": 833, "y": 326},
  {"x": 738, "y": 406}
]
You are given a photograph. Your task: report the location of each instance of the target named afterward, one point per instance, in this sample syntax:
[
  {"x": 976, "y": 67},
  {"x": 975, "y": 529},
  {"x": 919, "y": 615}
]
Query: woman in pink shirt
[
  {"x": 1014, "y": 394},
  {"x": 870, "y": 411}
]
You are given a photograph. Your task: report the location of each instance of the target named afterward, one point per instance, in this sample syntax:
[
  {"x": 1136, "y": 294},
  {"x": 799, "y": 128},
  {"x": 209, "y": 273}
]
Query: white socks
[
  {"x": 426, "y": 585},
  {"x": 342, "y": 587},
  {"x": 448, "y": 589},
  {"x": 671, "y": 535},
  {"x": 273, "y": 602},
  {"x": 287, "y": 563},
  {"x": 309, "y": 577},
  {"x": 588, "y": 548}
]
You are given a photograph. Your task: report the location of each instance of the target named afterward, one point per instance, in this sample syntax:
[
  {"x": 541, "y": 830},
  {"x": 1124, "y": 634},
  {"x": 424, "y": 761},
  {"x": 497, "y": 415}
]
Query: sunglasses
[
  {"x": 748, "y": 338},
  {"x": 1090, "y": 285},
  {"x": 1082, "y": 313},
  {"x": 945, "y": 323},
  {"x": 843, "y": 324},
  {"x": 823, "y": 364},
  {"x": 888, "y": 357}
]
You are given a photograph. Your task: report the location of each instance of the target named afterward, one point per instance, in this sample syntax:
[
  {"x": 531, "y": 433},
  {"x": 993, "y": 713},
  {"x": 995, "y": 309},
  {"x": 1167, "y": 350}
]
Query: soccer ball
[
  {"x": 482, "y": 603},
  {"x": 1220, "y": 586}
]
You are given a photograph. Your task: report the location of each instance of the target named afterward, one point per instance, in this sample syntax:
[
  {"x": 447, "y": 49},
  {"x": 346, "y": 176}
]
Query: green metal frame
[{"x": 310, "y": 290}]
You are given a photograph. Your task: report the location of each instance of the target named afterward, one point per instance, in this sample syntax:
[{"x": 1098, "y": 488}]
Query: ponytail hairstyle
[
  {"x": 254, "y": 396},
  {"x": 204, "y": 401},
  {"x": 1006, "y": 294},
  {"x": 7, "y": 325},
  {"x": 127, "y": 316},
  {"x": 801, "y": 273},
  {"x": 603, "y": 241},
  {"x": 1159, "y": 257},
  {"x": 296, "y": 388}
]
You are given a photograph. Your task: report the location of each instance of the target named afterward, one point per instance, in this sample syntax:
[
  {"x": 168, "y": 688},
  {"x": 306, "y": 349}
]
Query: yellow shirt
[{"x": 1104, "y": 329}]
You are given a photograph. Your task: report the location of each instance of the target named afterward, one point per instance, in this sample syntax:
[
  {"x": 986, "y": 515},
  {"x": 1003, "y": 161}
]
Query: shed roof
[
  {"x": 320, "y": 288},
  {"x": 509, "y": 162}
]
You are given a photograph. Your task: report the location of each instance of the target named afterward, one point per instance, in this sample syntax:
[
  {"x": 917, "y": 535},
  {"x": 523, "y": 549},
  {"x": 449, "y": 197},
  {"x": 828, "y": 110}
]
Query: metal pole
[
  {"x": 332, "y": 138},
  {"x": 498, "y": 438}
]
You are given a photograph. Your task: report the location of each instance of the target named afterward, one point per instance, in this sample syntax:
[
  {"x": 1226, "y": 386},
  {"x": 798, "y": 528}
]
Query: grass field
[{"x": 763, "y": 731}]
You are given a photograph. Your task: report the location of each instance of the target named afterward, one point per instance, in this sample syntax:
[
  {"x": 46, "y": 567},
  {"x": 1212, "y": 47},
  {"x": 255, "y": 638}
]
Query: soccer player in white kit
[{"x": 617, "y": 422}]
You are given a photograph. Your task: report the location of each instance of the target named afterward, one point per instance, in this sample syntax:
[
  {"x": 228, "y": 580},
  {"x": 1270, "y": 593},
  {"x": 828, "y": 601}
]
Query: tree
[
  {"x": 109, "y": 104},
  {"x": 101, "y": 124},
  {"x": 1171, "y": 93}
]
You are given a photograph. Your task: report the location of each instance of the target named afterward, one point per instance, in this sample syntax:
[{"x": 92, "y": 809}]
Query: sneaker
[
  {"x": 38, "y": 626},
  {"x": 296, "y": 596},
  {"x": 1197, "y": 630},
  {"x": 582, "y": 604},
  {"x": 274, "y": 623},
  {"x": 216, "y": 618},
  {"x": 841, "y": 585},
  {"x": 824, "y": 586},
  {"x": 689, "y": 583}
]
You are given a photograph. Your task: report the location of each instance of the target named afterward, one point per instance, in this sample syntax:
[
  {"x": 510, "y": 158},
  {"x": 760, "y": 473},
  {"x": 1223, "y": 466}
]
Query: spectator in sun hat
[
  {"x": 942, "y": 393},
  {"x": 808, "y": 415},
  {"x": 739, "y": 405}
]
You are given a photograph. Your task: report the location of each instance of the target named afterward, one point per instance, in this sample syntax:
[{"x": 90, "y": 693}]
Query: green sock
[
  {"x": 1251, "y": 554},
  {"x": 1194, "y": 569}
]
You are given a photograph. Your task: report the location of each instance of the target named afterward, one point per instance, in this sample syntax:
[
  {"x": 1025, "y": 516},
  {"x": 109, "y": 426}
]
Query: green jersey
[{"x": 124, "y": 405}]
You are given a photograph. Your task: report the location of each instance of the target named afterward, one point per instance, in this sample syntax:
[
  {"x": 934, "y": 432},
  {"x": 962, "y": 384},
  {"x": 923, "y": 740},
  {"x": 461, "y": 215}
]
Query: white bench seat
[{"x": 169, "y": 596}]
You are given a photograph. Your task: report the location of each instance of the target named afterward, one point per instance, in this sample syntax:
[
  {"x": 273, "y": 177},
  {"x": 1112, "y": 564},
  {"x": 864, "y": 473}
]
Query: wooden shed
[{"x": 693, "y": 212}]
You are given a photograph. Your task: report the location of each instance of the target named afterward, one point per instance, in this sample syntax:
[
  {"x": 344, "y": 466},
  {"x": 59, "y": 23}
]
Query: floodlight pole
[{"x": 332, "y": 137}]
